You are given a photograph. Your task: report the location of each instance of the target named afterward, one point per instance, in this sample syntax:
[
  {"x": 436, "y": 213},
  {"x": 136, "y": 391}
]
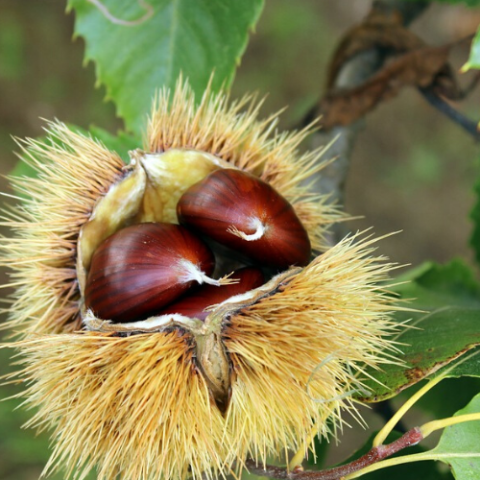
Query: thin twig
[
  {"x": 447, "y": 109},
  {"x": 410, "y": 438}
]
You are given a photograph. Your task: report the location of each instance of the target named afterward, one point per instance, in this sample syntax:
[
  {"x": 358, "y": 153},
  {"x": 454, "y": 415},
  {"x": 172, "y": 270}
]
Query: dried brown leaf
[
  {"x": 376, "y": 32},
  {"x": 421, "y": 68},
  {"x": 403, "y": 60}
]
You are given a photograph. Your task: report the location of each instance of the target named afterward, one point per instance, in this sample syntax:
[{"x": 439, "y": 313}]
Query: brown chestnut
[
  {"x": 194, "y": 303},
  {"x": 244, "y": 213},
  {"x": 140, "y": 269}
]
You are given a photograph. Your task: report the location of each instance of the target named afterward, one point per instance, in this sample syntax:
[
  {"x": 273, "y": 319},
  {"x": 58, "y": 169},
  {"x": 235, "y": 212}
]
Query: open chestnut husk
[
  {"x": 138, "y": 401},
  {"x": 195, "y": 303},
  {"x": 142, "y": 268},
  {"x": 246, "y": 214}
]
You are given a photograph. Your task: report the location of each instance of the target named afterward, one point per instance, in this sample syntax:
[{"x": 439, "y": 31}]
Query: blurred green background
[{"x": 412, "y": 170}]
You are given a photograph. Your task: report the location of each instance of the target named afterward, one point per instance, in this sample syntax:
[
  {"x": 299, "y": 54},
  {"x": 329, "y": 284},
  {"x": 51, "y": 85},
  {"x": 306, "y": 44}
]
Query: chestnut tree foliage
[{"x": 139, "y": 47}]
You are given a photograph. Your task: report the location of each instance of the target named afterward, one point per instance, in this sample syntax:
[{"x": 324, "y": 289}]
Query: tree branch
[
  {"x": 352, "y": 73},
  {"x": 410, "y": 438}
]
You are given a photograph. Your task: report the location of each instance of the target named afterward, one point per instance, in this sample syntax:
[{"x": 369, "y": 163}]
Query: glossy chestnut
[
  {"x": 248, "y": 215},
  {"x": 140, "y": 269},
  {"x": 194, "y": 303}
]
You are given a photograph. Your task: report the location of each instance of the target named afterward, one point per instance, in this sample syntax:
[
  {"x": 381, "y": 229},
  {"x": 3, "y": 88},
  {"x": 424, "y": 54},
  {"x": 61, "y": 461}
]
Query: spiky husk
[
  {"x": 137, "y": 406},
  {"x": 75, "y": 171}
]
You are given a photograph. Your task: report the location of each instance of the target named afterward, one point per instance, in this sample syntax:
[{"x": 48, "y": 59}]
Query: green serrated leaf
[
  {"x": 448, "y": 327},
  {"x": 193, "y": 37},
  {"x": 469, "y": 367},
  {"x": 459, "y": 445},
  {"x": 436, "y": 339}
]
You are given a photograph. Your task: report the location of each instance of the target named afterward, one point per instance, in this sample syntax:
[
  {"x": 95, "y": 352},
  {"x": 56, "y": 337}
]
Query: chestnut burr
[
  {"x": 194, "y": 303},
  {"x": 248, "y": 215},
  {"x": 141, "y": 268}
]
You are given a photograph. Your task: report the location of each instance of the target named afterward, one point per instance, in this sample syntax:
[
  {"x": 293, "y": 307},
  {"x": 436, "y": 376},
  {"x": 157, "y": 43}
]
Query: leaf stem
[
  {"x": 297, "y": 459},
  {"x": 391, "y": 462},
  {"x": 430, "y": 427},
  {"x": 416, "y": 457},
  {"x": 373, "y": 459},
  {"x": 389, "y": 426}
]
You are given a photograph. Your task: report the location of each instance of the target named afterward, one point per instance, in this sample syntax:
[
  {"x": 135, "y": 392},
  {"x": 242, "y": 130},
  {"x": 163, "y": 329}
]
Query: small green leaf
[
  {"x": 193, "y": 37},
  {"x": 474, "y": 58},
  {"x": 448, "y": 327},
  {"x": 459, "y": 445}
]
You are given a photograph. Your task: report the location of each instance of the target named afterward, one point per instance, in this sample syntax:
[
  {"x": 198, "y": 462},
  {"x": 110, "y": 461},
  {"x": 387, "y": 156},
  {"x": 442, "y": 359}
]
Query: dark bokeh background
[{"x": 412, "y": 170}]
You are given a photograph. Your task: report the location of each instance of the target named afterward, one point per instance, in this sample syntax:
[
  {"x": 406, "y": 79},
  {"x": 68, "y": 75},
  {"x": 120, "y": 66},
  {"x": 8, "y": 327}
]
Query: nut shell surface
[
  {"x": 140, "y": 269},
  {"x": 229, "y": 203}
]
